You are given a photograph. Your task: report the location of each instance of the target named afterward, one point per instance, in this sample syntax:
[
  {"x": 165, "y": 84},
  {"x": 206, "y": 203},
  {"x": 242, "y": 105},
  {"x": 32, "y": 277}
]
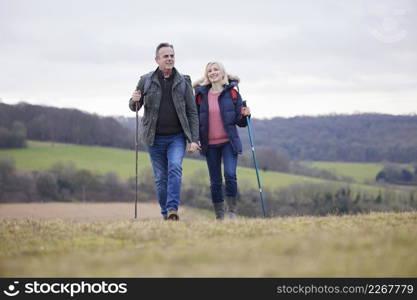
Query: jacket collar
[
  {"x": 205, "y": 88},
  {"x": 177, "y": 78}
]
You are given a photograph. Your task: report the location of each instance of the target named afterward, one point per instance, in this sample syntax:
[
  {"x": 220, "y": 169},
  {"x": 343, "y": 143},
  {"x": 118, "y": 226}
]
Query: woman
[{"x": 220, "y": 110}]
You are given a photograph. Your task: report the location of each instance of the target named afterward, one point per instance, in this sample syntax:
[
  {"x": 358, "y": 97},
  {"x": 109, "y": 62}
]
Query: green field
[
  {"x": 360, "y": 172},
  {"x": 374, "y": 245},
  {"x": 42, "y": 155}
]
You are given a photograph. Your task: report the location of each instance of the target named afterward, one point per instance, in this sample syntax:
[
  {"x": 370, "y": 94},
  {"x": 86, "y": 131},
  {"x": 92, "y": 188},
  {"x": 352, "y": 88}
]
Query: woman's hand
[
  {"x": 245, "y": 111},
  {"x": 193, "y": 147}
]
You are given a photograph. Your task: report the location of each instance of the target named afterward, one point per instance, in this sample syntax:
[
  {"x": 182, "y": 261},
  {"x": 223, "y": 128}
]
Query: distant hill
[
  {"x": 359, "y": 137},
  {"x": 349, "y": 138},
  {"x": 45, "y": 123}
]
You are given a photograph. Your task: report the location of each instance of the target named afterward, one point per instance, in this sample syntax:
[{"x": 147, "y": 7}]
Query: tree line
[
  {"x": 354, "y": 138},
  {"x": 44, "y": 123},
  {"x": 351, "y": 138},
  {"x": 397, "y": 175},
  {"x": 13, "y": 136},
  {"x": 63, "y": 182}
]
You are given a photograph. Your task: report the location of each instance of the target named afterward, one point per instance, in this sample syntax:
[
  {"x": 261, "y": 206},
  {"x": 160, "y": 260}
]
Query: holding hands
[{"x": 193, "y": 147}]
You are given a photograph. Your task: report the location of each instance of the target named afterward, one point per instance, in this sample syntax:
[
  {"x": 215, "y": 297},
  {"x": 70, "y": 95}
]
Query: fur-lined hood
[{"x": 233, "y": 79}]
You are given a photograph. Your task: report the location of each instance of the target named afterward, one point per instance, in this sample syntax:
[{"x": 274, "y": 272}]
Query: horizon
[{"x": 264, "y": 118}]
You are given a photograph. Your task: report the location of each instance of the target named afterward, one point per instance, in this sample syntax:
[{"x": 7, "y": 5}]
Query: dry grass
[
  {"x": 82, "y": 211},
  {"x": 373, "y": 245}
]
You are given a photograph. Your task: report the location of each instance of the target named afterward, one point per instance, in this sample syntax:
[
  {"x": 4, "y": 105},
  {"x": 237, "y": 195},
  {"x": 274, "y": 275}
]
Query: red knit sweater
[{"x": 216, "y": 134}]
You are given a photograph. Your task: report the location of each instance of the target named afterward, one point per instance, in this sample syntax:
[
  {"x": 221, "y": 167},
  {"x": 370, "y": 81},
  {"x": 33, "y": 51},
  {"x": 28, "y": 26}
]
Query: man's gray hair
[{"x": 162, "y": 45}]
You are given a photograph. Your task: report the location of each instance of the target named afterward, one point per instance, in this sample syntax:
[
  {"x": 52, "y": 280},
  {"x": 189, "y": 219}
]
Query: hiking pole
[
  {"x": 254, "y": 161},
  {"x": 136, "y": 168}
]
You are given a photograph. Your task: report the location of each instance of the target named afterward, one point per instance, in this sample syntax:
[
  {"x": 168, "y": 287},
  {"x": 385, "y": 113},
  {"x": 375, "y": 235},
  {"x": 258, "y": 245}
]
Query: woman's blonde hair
[{"x": 205, "y": 80}]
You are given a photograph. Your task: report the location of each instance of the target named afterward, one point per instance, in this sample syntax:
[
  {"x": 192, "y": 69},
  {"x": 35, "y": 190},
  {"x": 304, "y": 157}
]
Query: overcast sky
[{"x": 293, "y": 57}]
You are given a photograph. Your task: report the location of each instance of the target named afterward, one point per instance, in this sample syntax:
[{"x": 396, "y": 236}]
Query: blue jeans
[
  {"x": 166, "y": 155},
  {"x": 215, "y": 153}
]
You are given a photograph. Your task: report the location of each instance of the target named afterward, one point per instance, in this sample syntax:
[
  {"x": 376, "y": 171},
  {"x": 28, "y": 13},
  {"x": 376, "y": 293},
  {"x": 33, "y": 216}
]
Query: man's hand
[
  {"x": 136, "y": 96},
  {"x": 193, "y": 147}
]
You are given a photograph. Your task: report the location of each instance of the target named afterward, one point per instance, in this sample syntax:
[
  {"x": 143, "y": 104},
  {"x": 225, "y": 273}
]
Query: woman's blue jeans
[
  {"x": 167, "y": 154},
  {"x": 215, "y": 153}
]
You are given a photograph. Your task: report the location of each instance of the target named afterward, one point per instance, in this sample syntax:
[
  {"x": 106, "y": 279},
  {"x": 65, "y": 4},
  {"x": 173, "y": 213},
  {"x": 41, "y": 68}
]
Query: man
[{"x": 170, "y": 120}]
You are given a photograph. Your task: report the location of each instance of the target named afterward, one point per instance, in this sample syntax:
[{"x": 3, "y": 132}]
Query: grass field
[
  {"x": 89, "y": 211},
  {"x": 58, "y": 242},
  {"x": 42, "y": 155},
  {"x": 360, "y": 172}
]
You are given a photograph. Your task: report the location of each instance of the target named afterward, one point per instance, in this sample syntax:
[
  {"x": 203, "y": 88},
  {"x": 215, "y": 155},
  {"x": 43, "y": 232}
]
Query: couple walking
[{"x": 177, "y": 119}]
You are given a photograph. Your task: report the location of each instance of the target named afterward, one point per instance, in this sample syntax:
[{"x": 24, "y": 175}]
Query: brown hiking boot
[
  {"x": 219, "y": 210},
  {"x": 173, "y": 215},
  {"x": 231, "y": 206}
]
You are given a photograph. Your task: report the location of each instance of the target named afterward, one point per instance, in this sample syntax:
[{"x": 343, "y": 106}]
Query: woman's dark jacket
[{"x": 230, "y": 110}]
